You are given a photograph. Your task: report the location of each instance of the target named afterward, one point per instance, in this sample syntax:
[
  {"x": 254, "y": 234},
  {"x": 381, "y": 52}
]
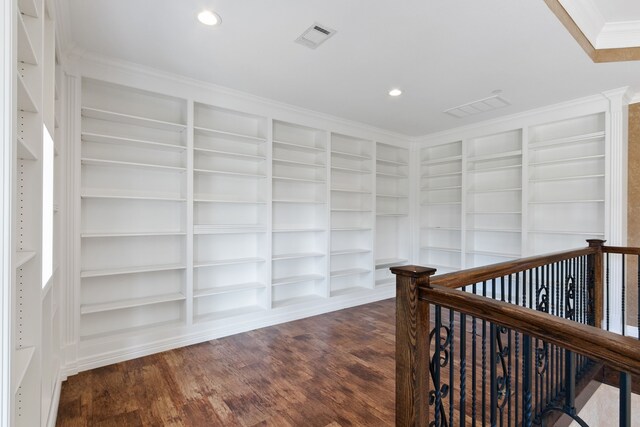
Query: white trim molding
[
  {"x": 616, "y": 188},
  {"x": 7, "y": 118}
]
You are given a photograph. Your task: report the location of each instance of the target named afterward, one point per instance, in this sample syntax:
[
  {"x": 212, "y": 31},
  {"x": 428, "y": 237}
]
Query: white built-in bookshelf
[
  {"x": 566, "y": 171},
  {"x": 299, "y": 214},
  {"x": 392, "y": 211},
  {"x": 441, "y": 206},
  {"x": 352, "y": 214},
  {"x": 35, "y": 283},
  {"x": 495, "y": 197},
  {"x": 198, "y": 217}
]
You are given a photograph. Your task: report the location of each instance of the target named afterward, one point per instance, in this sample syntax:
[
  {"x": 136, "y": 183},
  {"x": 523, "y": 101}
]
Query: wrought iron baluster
[
  {"x": 624, "y": 287},
  {"x": 638, "y": 295},
  {"x": 463, "y": 369},
  {"x": 517, "y": 344},
  {"x": 607, "y": 290},
  {"x": 484, "y": 361},
  {"x": 625, "y": 399},
  {"x": 493, "y": 382},
  {"x": 473, "y": 366},
  {"x": 451, "y": 366},
  {"x": 527, "y": 369}
]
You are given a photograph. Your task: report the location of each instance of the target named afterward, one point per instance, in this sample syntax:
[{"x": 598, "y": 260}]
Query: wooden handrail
[
  {"x": 619, "y": 352},
  {"x": 621, "y": 250},
  {"x": 470, "y": 276}
]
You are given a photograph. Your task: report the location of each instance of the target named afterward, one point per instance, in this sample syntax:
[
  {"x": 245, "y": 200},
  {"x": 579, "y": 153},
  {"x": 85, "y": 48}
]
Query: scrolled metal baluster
[
  {"x": 440, "y": 359},
  {"x": 463, "y": 368}
]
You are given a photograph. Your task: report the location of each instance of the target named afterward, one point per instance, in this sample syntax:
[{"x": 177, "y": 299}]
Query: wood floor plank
[{"x": 333, "y": 370}]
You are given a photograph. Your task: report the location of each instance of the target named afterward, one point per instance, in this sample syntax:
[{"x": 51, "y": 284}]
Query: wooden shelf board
[
  {"x": 350, "y": 251},
  {"x": 449, "y": 159},
  {"x": 130, "y": 303},
  {"x": 239, "y": 287},
  {"x": 568, "y": 160},
  {"x": 350, "y": 210},
  {"x": 296, "y": 279},
  {"x": 440, "y": 203},
  {"x": 350, "y": 170},
  {"x": 25, "y": 152},
  {"x": 161, "y": 198},
  {"x": 25, "y": 99},
  {"x": 391, "y": 214},
  {"x": 118, "y": 163},
  {"x": 297, "y": 300},
  {"x": 351, "y": 228},
  {"x": 229, "y": 154},
  {"x": 97, "y": 234},
  {"x": 200, "y": 199},
  {"x": 226, "y": 314},
  {"x": 296, "y": 163},
  {"x": 299, "y": 147},
  {"x": 311, "y": 181},
  {"x": 393, "y": 196},
  {"x": 347, "y": 190},
  {"x": 21, "y": 362},
  {"x": 130, "y": 270},
  {"x": 230, "y": 261},
  {"x": 442, "y": 228},
  {"x": 346, "y": 155},
  {"x": 26, "y": 52},
  {"x": 230, "y": 174},
  {"x": 495, "y": 230},
  {"x": 297, "y": 230},
  {"x": 390, "y": 262},
  {"x": 349, "y": 272},
  {"x": 391, "y": 162},
  {"x": 120, "y": 140},
  {"x": 494, "y": 169},
  {"x": 568, "y": 233},
  {"x": 495, "y": 213},
  {"x": 203, "y": 131},
  {"x": 440, "y": 249},
  {"x": 493, "y": 254},
  {"x": 296, "y": 255},
  {"x": 536, "y": 145},
  {"x": 391, "y": 175},
  {"x": 228, "y": 229},
  {"x": 494, "y": 156},
  {"x": 301, "y": 202},
  {"x": 22, "y": 257},
  {"x": 554, "y": 202},
  {"x": 495, "y": 190},
  {"x": 112, "y": 116},
  {"x": 567, "y": 178},
  {"x": 452, "y": 187},
  {"x": 440, "y": 175}
]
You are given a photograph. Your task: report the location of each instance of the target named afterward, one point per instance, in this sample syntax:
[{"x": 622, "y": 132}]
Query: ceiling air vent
[
  {"x": 315, "y": 35},
  {"x": 484, "y": 105}
]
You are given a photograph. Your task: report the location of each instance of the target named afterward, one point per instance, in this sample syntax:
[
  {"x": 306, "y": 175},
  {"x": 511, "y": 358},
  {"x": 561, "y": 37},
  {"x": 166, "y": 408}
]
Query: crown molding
[
  {"x": 587, "y": 16},
  {"x": 78, "y": 55},
  {"x": 616, "y": 35}
]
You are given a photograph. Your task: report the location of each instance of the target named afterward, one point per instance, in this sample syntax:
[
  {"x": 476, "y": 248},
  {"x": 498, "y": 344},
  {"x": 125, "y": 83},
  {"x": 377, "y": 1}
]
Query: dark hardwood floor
[{"x": 332, "y": 370}]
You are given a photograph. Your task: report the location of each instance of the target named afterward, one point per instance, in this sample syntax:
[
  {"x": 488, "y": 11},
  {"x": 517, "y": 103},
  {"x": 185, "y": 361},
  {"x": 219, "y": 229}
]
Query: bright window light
[
  {"x": 395, "y": 92},
  {"x": 47, "y": 206},
  {"x": 209, "y": 18}
]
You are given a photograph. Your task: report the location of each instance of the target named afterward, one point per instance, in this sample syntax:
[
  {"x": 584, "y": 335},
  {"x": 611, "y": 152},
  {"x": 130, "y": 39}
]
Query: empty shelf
[
  {"x": 390, "y": 262},
  {"x": 118, "y": 163},
  {"x": 22, "y": 257},
  {"x": 130, "y": 270},
  {"x": 130, "y": 303},
  {"x": 119, "y": 140},
  {"x": 202, "y": 131},
  {"x": 230, "y": 261},
  {"x": 240, "y": 287},
  {"x": 124, "y": 118},
  {"x": 297, "y": 255},
  {"x": 349, "y": 272},
  {"x": 20, "y": 364},
  {"x": 296, "y": 279}
]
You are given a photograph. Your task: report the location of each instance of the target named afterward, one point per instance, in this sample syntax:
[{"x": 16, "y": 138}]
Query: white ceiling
[{"x": 440, "y": 53}]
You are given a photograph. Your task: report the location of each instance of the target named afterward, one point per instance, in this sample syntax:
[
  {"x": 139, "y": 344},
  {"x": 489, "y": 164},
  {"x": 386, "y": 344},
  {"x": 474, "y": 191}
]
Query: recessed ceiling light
[
  {"x": 207, "y": 17},
  {"x": 395, "y": 92}
]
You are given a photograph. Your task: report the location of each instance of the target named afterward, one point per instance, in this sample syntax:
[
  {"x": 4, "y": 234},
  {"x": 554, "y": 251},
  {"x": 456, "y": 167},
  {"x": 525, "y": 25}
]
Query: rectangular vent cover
[
  {"x": 484, "y": 105},
  {"x": 315, "y": 35}
]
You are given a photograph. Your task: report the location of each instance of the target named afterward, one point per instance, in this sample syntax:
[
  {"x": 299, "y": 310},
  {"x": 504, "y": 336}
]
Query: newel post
[
  {"x": 412, "y": 347},
  {"x": 595, "y": 281}
]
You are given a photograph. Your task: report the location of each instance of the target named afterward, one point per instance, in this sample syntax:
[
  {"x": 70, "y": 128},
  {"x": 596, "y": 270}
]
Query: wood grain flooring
[{"x": 336, "y": 369}]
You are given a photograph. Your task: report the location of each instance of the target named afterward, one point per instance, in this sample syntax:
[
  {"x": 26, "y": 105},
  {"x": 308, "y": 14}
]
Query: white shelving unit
[
  {"x": 441, "y": 206},
  {"x": 133, "y": 209},
  {"x": 353, "y": 180},
  {"x": 230, "y": 229},
  {"x": 392, "y": 211},
  {"x": 299, "y": 179},
  {"x": 567, "y": 179},
  {"x": 35, "y": 358},
  {"x": 493, "y": 198}
]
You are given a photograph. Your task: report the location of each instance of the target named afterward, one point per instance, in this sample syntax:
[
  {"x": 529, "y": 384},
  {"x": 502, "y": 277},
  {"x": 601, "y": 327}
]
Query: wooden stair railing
[{"x": 443, "y": 329}]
